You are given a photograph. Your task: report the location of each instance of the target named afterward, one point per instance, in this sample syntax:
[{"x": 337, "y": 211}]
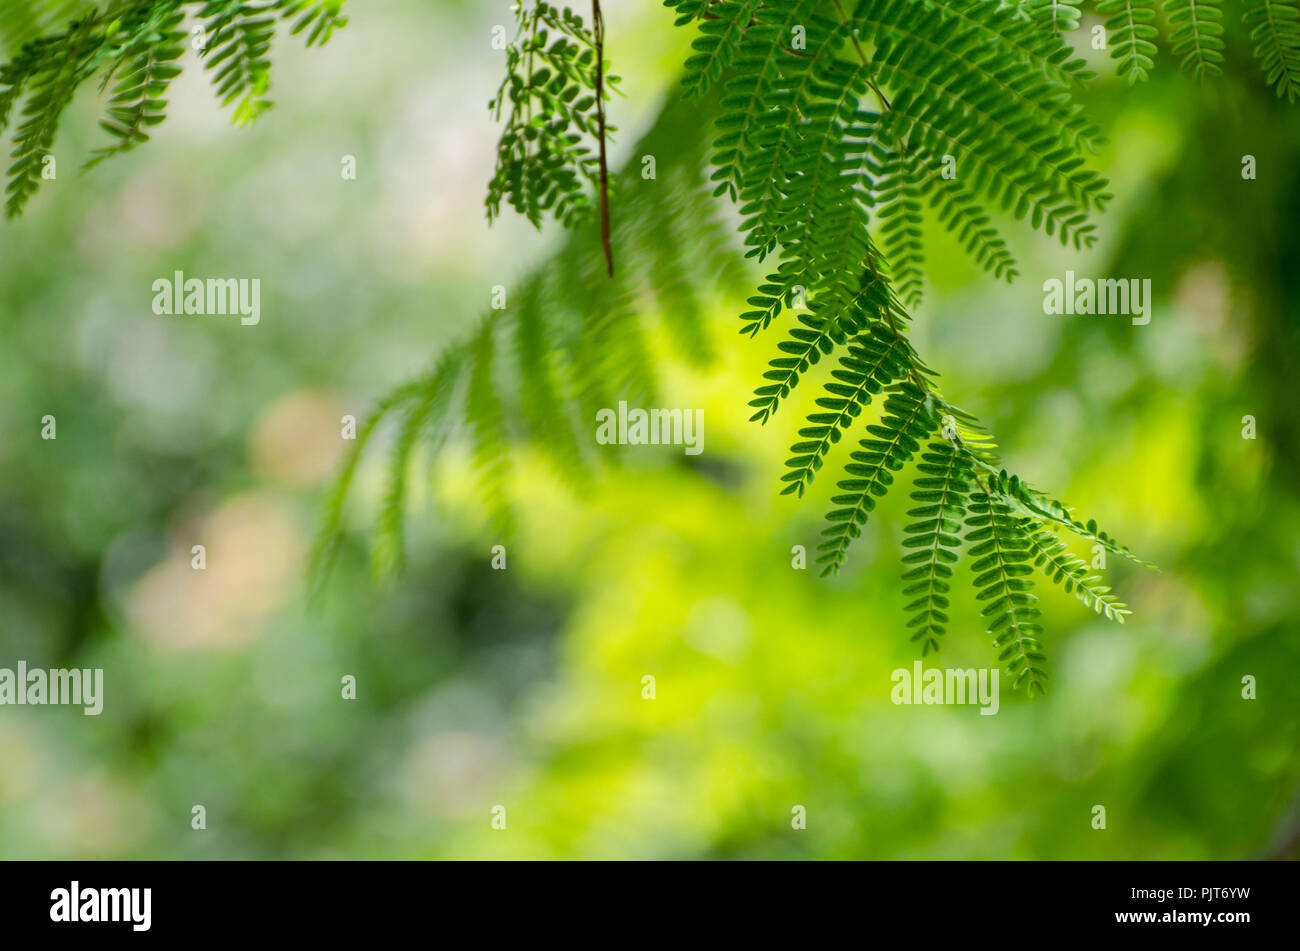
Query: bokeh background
[{"x": 523, "y": 687}]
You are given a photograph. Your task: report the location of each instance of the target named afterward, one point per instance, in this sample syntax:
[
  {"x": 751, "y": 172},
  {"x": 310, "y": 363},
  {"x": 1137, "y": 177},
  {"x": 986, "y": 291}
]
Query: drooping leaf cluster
[
  {"x": 836, "y": 127},
  {"x": 548, "y": 154},
  {"x": 1195, "y": 31},
  {"x": 135, "y": 48},
  {"x": 841, "y": 122},
  {"x": 534, "y": 373}
]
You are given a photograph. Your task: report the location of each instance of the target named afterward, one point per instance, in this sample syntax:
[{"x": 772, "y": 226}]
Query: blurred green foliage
[{"x": 524, "y": 687}]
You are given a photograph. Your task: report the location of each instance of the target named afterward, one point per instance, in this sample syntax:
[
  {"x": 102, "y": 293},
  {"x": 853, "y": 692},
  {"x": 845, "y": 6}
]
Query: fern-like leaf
[
  {"x": 319, "y": 18},
  {"x": 48, "y": 95},
  {"x": 908, "y": 418},
  {"x": 236, "y": 51},
  {"x": 1058, "y": 15},
  {"x": 1002, "y": 550},
  {"x": 1058, "y": 563},
  {"x": 1275, "y": 27},
  {"x": 424, "y": 414},
  {"x": 331, "y": 520},
  {"x": 487, "y": 429},
  {"x": 548, "y": 154},
  {"x": 820, "y": 331},
  {"x": 958, "y": 210},
  {"x": 874, "y": 359},
  {"x": 1130, "y": 26},
  {"x": 137, "y": 104},
  {"x": 1197, "y": 35},
  {"x": 716, "y": 45},
  {"x": 1038, "y": 505},
  {"x": 136, "y": 47},
  {"x": 944, "y": 483},
  {"x": 900, "y": 230}
]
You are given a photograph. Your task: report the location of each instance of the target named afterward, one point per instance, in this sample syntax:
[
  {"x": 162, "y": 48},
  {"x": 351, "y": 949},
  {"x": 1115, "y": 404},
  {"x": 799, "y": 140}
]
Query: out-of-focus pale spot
[
  {"x": 298, "y": 440},
  {"x": 1204, "y": 293},
  {"x": 720, "y": 628},
  {"x": 92, "y": 816},
  {"x": 453, "y": 774},
  {"x": 254, "y": 550},
  {"x": 158, "y": 209},
  {"x": 1099, "y": 662},
  {"x": 19, "y": 758},
  {"x": 1185, "y": 630},
  {"x": 149, "y": 366}
]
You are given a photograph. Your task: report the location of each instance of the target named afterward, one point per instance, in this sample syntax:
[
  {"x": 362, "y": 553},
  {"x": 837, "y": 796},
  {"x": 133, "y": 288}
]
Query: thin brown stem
[
  {"x": 884, "y": 103},
  {"x": 606, "y": 244}
]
